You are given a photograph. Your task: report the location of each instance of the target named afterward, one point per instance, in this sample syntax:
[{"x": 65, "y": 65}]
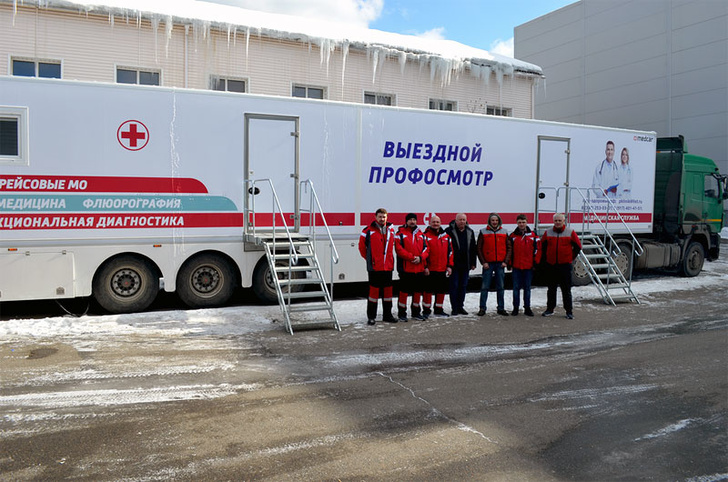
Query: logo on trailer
[{"x": 132, "y": 135}]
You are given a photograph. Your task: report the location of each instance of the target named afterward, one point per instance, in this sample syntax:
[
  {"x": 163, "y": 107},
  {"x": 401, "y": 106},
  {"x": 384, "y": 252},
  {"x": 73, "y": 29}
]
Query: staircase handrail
[
  {"x": 638, "y": 249},
  {"x": 277, "y": 209},
  {"x": 312, "y": 219}
]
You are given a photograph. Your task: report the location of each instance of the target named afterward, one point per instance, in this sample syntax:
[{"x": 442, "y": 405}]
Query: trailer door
[
  {"x": 553, "y": 178},
  {"x": 271, "y": 158}
]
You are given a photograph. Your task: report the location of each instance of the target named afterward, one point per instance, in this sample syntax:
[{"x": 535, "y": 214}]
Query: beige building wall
[{"x": 90, "y": 47}]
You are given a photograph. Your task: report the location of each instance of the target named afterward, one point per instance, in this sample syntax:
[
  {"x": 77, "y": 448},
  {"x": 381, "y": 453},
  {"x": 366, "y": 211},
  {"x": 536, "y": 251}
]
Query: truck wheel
[
  {"x": 204, "y": 281},
  {"x": 624, "y": 259},
  {"x": 692, "y": 262},
  {"x": 263, "y": 285},
  {"x": 580, "y": 274},
  {"x": 125, "y": 285}
]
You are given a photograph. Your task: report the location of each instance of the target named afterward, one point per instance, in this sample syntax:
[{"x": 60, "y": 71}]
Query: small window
[
  {"x": 378, "y": 99},
  {"x": 711, "y": 187},
  {"x": 37, "y": 68},
  {"x": 228, "y": 85},
  {"x": 440, "y": 104},
  {"x": 502, "y": 111},
  {"x": 308, "y": 92},
  {"x": 134, "y": 76},
  {"x": 13, "y": 135}
]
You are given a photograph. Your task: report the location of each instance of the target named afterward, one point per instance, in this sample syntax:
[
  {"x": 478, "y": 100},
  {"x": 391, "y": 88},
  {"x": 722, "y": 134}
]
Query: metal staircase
[
  {"x": 604, "y": 273},
  {"x": 303, "y": 295},
  {"x": 599, "y": 251},
  {"x": 599, "y": 248}
]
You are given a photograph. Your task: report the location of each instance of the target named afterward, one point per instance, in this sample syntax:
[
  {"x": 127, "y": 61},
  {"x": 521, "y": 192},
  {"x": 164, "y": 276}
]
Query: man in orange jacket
[
  {"x": 561, "y": 245},
  {"x": 439, "y": 267},
  {"x": 411, "y": 248},
  {"x": 494, "y": 249},
  {"x": 376, "y": 245},
  {"x": 525, "y": 255}
]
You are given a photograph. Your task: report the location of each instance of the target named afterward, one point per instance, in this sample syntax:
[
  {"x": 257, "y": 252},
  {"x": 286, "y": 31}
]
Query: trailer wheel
[
  {"x": 692, "y": 262},
  {"x": 580, "y": 273},
  {"x": 205, "y": 281},
  {"x": 263, "y": 285},
  {"x": 624, "y": 259},
  {"x": 125, "y": 285}
]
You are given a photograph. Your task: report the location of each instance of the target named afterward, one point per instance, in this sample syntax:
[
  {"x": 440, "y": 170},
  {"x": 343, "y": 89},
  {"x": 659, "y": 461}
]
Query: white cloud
[
  {"x": 502, "y": 47},
  {"x": 356, "y": 12}
]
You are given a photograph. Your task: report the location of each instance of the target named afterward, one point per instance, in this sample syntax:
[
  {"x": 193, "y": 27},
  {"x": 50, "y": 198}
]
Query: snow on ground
[{"x": 239, "y": 320}]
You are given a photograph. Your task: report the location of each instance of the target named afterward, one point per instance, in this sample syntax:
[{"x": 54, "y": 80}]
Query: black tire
[
  {"x": 692, "y": 263},
  {"x": 205, "y": 281},
  {"x": 263, "y": 285},
  {"x": 580, "y": 273},
  {"x": 126, "y": 285},
  {"x": 624, "y": 260}
]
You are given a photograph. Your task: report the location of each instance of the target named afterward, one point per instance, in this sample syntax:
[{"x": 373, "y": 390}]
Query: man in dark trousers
[
  {"x": 411, "y": 248},
  {"x": 561, "y": 245},
  {"x": 376, "y": 245},
  {"x": 465, "y": 257}
]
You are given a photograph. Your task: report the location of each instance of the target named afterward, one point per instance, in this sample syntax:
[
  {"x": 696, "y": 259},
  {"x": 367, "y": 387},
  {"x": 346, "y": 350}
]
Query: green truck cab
[{"x": 688, "y": 210}]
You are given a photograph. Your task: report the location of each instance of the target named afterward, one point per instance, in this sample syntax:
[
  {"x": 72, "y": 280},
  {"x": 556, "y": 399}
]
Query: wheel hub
[
  {"x": 205, "y": 279},
  {"x": 126, "y": 282}
]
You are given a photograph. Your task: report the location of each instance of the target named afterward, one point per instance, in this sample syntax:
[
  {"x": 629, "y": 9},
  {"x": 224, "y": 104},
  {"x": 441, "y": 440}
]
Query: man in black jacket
[{"x": 466, "y": 254}]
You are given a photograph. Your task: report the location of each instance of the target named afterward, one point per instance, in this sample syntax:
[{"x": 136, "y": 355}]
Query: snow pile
[
  {"x": 443, "y": 57},
  {"x": 241, "y": 320}
]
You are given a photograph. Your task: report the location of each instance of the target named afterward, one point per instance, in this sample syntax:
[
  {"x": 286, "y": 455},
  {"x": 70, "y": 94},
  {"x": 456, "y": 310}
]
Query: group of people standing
[{"x": 437, "y": 261}]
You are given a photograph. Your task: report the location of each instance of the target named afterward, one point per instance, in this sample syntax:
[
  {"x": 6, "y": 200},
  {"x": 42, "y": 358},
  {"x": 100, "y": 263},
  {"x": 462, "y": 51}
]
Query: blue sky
[
  {"x": 479, "y": 23},
  {"x": 485, "y": 24}
]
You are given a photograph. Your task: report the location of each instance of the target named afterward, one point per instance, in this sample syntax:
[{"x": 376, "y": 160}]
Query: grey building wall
[{"x": 657, "y": 65}]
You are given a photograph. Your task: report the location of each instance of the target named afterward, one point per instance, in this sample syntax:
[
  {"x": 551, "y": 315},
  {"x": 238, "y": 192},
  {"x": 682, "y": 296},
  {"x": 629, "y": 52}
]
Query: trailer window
[{"x": 13, "y": 141}]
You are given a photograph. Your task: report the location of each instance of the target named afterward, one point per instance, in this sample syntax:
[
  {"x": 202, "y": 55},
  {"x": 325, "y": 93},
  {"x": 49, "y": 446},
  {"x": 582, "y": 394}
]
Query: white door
[
  {"x": 553, "y": 178},
  {"x": 271, "y": 158}
]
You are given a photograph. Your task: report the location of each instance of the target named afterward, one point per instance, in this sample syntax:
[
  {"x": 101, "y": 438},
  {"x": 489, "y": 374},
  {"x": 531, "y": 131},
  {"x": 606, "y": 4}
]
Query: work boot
[
  {"x": 547, "y": 313},
  {"x": 402, "y": 315},
  {"x": 440, "y": 312},
  {"x": 481, "y": 312},
  {"x": 416, "y": 313},
  {"x": 569, "y": 316},
  {"x": 389, "y": 318},
  {"x": 502, "y": 312},
  {"x": 527, "y": 311},
  {"x": 514, "y": 312},
  {"x": 426, "y": 312},
  {"x": 371, "y": 322}
]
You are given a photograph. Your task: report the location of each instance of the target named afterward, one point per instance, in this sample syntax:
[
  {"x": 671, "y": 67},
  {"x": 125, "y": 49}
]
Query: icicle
[
  {"x": 111, "y": 18},
  {"x": 344, "y": 54},
  {"x": 247, "y": 44},
  {"x": 375, "y": 63},
  {"x": 402, "y": 61},
  {"x": 168, "y": 27},
  {"x": 154, "y": 21},
  {"x": 229, "y": 28}
]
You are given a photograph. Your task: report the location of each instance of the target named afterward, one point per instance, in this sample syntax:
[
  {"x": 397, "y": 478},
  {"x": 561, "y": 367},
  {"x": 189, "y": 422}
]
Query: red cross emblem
[{"x": 132, "y": 135}]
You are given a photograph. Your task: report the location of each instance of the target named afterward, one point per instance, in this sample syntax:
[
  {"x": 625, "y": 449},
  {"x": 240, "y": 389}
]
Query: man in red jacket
[
  {"x": 494, "y": 249},
  {"x": 439, "y": 267},
  {"x": 411, "y": 248},
  {"x": 561, "y": 245},
  {"x": 525, "y": 255},
  {"x": 376, "y": 245}
]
